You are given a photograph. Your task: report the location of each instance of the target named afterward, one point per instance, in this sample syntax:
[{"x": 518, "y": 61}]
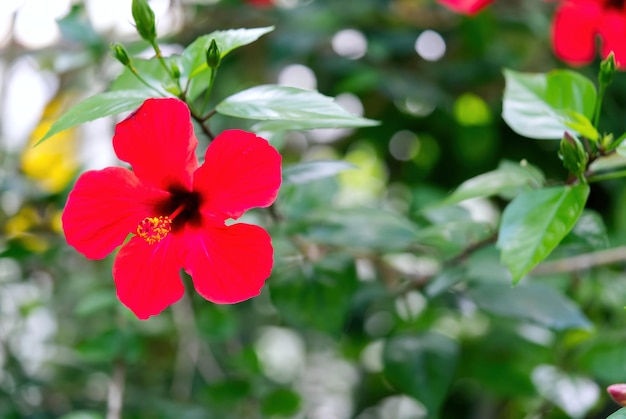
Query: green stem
[
  {"x": 207, "y": 94},
  {"x": 143, "y": 81},
  {"x": 159, "y": 56},
  {"x": 598, "y": 105},
  {"x": 607, "y": 176}
]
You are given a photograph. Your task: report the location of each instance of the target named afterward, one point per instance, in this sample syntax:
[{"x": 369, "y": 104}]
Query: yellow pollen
[{"x": 154, "y": 229}]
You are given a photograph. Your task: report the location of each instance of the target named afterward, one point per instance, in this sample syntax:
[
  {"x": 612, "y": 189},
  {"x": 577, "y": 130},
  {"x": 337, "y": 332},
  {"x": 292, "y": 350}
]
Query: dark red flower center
[
  {"x": 182, "y": 207},
  {"x": 614, "y": 4}
]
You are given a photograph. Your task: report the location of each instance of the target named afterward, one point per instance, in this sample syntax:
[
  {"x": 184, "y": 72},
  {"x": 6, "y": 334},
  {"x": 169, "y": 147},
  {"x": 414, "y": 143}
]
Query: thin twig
[
  {"x": 192, "y": 353},
  {"x": 582, "y": 262},
  {"x": 116, "y": 391},
  {"x": 201, "y": 121}
]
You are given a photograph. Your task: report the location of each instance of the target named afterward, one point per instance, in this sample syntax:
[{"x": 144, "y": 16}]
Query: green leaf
[
  {"x": 194, "y": 69},
  {"x": 98, "y": 106},
  {"x": 291, "y": 108},
  {"x": 620, "y": 414},
  {"x": 535, "y": 302},
  {"x": 421, "y": 366},
  {"x": 194, "y": 56},
  {"x": 535, "y": 222},
  {"x": 582, "y": 125},
  {"x": 299, "y": 293},
  {"x": 312, "y": 170},
  {"x": 509, "y": 178},
  {"x": 444, "y": 281},
  {"x": 360, "y": 229},
  {"x": 281, "y": 402},
  {"x": 540, "y": 105},
  {"x": 591, "y": 231}
]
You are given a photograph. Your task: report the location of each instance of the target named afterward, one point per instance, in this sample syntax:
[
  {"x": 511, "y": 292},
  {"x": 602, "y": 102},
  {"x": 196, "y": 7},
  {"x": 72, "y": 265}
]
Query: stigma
[{"x": 154, "y": 229}]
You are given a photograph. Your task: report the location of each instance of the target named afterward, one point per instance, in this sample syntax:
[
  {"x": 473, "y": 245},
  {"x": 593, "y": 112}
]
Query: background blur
[{"x": 313, "y": 344}]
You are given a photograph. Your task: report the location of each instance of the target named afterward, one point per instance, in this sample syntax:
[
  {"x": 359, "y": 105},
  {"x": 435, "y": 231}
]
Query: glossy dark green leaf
[
  {"x": 98, "y": 106},
  {"x": 620, "y": 414},
  {"x": 421, "y": 366},
  {"x": 536, "y": 302},
  {"x": 293, "y": 108},
  {"x": 535, "y": 222},
  {"x": 539, "y": 105},
  {"x": 312, "y": 170}
]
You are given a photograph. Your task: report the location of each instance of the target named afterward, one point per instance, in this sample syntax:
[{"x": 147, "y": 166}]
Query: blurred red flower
[
  {"x": 578, "y": 22},
  {"x": 466, "y": 7},
  {"x": 261, "y": 3},
  {"x": 176, "y": 210}
]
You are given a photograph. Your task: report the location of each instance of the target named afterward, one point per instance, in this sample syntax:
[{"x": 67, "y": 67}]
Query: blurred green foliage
[{"x": 391, "y": 303}]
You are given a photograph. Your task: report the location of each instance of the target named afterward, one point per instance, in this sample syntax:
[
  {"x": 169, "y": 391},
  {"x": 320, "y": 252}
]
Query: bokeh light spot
[
  {"x": 430, "y": 45},
  {"x": 470, "y": 109},
  {"x": 404, "y": 145},
  {"x": 298, "y": 75},
  {"x": 349, "y": 43}
]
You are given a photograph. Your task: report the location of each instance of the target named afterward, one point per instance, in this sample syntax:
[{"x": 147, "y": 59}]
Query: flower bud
[
  {"x": 175, "y": 70},
  {"x": 119, "y": 52},
  {"x": 144, "y": 20},
  {"x": 573, "y": 155},
  {"x": 607, "y": 70},
  {"x": 213, "y": 55},
  {"x": 617, "y": 393}
]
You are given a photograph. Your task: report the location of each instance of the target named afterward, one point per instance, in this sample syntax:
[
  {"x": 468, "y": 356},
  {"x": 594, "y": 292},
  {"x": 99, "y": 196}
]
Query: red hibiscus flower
[
  {"x": 578, "y": 22},
  {"x": 466, "y": 7},
  {"x": 176, "y": 210}
]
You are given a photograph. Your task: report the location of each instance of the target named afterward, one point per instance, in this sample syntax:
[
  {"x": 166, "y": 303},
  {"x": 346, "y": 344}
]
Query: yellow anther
[{"x": 154, "y": 229}]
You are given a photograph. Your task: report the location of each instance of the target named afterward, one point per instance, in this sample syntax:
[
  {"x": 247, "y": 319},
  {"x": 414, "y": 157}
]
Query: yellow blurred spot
[
  {"x": 55, "y": 221},
  {"x": 366, "y": 183},
  {"x": 34, "y": 243},
  {"x": 53, "y": 163},
  {"x": 470, "y": 109},
  {"x": 21, "y": 222}
]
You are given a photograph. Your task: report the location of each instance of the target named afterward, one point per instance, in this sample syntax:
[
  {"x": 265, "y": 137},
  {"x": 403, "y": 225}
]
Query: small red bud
[{"x": 617, "y": 393}]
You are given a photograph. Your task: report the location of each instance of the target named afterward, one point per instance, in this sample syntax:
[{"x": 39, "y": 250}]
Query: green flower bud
[
  {"x": 175, "y": 70},
  {"x": 213, "y": 55},
  {"x": 144, "y": 20},
  {"x": 119, "y": 52},
  {"x": 607, "y": 70},
  {"x": 573, "y": 155}
]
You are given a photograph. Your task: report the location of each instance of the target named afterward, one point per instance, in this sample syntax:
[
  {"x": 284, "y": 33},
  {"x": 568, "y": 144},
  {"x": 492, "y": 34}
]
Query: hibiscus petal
[
  {"x": 240, "y": 171},
  {"x": 229, "y": 264},
  {"x": 574, "y": 30},
  {"x": 467, "y": 7},
  {"x": 147, "y": 276},
  {"x": 104, "y": 207},
  {"x": 613, "y": 33},
  {"x": 159, "y": 143}
]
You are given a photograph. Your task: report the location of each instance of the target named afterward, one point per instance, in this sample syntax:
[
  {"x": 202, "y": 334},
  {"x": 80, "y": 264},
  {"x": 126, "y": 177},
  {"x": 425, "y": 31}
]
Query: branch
[
  {"x": 582, "y": 262},
  {"x": 192, "y": 353},
  {"x": 116, "y": 391}
]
